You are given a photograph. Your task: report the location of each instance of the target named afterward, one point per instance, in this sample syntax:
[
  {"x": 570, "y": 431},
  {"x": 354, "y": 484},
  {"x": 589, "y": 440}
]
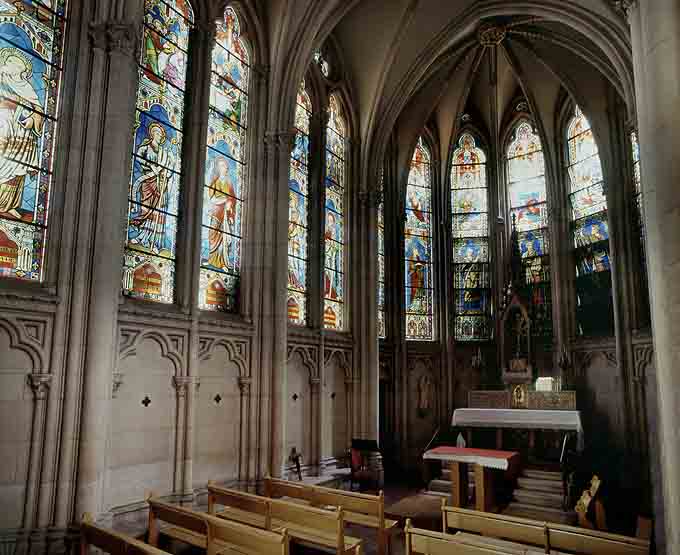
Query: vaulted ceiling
[{"x": 411, "y": 62}]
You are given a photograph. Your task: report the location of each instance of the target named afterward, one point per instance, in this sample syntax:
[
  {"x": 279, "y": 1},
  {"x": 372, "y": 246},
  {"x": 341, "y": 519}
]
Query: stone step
[
  {"x": 542, "y": 514},
  {"x": 539, "y": 498},
  {"x": 550, "y": 486},
  {"x": 542, "y": 475},
  {"x": 440, "y": 485},
  {"x": 438, "y": 494}
]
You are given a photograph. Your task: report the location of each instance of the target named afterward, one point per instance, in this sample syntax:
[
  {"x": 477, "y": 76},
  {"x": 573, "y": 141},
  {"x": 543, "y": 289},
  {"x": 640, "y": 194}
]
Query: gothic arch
[
  {"x": 172, "y": 348},
  {"x": 18, "y": 340}
]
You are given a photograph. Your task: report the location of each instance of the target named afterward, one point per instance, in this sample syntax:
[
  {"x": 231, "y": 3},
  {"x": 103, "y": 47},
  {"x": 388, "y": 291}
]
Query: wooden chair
[
  {"x": 544, "y": 534},
  {"x": 110, "y": 541},
  {"x": 215, "y": 535},
  {"x": 359, "y": 474}
]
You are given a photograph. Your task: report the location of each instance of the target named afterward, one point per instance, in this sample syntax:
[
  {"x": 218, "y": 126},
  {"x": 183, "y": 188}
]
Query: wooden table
[{"x": 485, "y": 461}]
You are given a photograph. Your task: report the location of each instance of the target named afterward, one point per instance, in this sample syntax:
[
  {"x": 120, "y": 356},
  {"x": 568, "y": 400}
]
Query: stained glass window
[
  {"x": 470, "y": 231},
  {"x": 334, "y": 227},
  {"x": 382, "y": 326},
  {"x": 527, "y": 194},
  {"x": 590, "y": 229},
  {"x": 298, "y": 211},
  {"x": 224, "y": 186},
  {"x": 155, "y": 183},
  {"x": 418, "y": 282},
  {"x": 31, "y": 63}
]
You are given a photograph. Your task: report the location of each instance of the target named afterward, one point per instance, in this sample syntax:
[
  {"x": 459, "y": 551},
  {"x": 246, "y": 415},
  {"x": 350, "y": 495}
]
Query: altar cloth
[
  {"x": 488, "y": 458},
  {"x": 531, "y": 419}
]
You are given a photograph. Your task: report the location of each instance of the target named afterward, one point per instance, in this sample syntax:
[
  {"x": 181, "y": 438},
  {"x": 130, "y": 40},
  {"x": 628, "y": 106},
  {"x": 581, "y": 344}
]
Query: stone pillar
[
  {"x": 184, "y": 388},
  {"x": 40, "y": 384},
  {"x": 244, "y": 383},
  {"x": 110, "y": 113},
  {"x": 315, "y": 428},
  {"x": 655, "y": 30}
]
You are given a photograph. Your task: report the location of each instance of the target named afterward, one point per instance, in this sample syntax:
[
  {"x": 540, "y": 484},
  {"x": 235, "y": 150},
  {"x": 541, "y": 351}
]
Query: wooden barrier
[
  {"x": 111, "y": 541},
  {"x": 548, "y": 535},
  {"x": 359, "y": 508},
  {"x": 215, "y": 535}
]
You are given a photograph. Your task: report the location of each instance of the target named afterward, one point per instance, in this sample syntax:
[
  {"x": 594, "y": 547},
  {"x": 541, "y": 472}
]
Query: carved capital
[
  {"x": 116, "y": 382},
  {"x": 40, "y": 384},
  {"x": 183, "y": 383},
  {"x": 114, "y": 36},
  {"x": 624, "y": 6},
  {"x": 280, "y": 141}
]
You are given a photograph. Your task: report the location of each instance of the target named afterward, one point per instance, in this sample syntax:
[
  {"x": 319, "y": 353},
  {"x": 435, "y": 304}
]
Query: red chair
[{"x": 358, "y": 472}]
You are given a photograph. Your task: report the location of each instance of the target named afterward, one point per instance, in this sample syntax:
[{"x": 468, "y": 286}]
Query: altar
[{"x": 526, "y": 419}]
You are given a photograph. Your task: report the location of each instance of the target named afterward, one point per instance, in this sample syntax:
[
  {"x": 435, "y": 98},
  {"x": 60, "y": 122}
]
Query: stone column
[
  {"x": 184, "y": 388},
  {"x": 105, "y": 177},
  {"x": 655, "y": 30},
  {"x": 244, "y": 383},
  {"x": 316, "y": 416},
  {"x": 40, "y": 384}
]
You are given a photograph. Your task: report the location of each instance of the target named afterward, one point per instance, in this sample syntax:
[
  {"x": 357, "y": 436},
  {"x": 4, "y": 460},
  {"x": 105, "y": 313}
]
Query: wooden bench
[
  {"x": 111, "y": 541},
  {"x": 426, "y": 542},
  {"x": 240, "y": 506},
  {"x": 215, "y": 535},
  {"x": 548, "y": 535},
  {"x": 359, "y": 508}
]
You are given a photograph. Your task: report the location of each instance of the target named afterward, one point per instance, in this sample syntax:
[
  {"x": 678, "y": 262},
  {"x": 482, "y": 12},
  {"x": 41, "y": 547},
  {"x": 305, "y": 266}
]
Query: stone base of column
[{"x": 375, "y": 465}]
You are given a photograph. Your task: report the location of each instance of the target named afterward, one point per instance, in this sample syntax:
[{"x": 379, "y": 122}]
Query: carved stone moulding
[
  {"x": 40, "y": 385},
  {"x": 114, "y": 36},
  {"x": 491, "y": 34}
]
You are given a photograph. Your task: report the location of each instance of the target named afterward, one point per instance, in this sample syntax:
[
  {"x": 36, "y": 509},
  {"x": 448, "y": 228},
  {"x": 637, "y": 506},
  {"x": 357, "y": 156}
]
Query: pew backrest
[
  {"x": 239, "y": 500},
  {"x": 159, "y": 511},
  {"x": 110, "y": 541},
  {"x": 275, "y": 488},
  {"x": 549, "y": 535},
  {"x": 426, "y": 542},
  {"x": 373, "y": 505}
]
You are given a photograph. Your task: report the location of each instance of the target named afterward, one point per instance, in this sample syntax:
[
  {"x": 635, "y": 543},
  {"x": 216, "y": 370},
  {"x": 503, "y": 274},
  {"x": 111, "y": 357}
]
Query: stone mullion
[{"x": 40, "y": 385}]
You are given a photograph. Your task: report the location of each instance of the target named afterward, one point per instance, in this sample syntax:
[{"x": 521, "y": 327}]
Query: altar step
[
  {"x": 538, "y": 498},
  {"x": 543, "y": 514}
]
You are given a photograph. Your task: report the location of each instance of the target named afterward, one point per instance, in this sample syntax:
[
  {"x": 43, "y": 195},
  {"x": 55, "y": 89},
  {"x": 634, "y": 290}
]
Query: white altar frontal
[{"x": 526, "y": 419}]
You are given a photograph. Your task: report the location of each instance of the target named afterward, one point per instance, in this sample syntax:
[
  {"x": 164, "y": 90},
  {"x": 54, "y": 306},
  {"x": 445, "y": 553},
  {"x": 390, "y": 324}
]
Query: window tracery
[
  {"x": 470, "y": 232},
  {"x": 418, "y": 279}
]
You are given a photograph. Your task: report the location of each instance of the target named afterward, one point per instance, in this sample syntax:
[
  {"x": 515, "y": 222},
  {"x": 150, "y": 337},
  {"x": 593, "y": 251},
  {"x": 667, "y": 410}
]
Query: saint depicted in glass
[
  {"x": 31, "y": 63},
  {"x": 225, "y": 169},
  {"x": 298, "y": 210},
  {"x": 590, "y": 229},
  {"x": 470, "y": 231},
  {"x": 527, "y": 194},
  {"x": 154, "y": 194},
  {"x": 334, "y": 214},
  {"x": 418, "y": 285}
]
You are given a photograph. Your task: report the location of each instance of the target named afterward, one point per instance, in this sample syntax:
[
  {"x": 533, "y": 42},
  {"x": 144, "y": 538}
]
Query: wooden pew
[
  {"x": 548, "y": 535},
  {"x": 215, "y": 535},
  {"x": 240, "y": 506},
  {"x": 313, "y": 526},
  {"x": 426, "y": 542},
  {"x": 359, "y": 508},
  {"x": 111, "y": 541}
]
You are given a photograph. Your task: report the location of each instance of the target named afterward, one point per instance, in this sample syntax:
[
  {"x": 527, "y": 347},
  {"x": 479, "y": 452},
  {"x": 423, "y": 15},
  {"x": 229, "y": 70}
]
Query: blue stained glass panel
[
  {"x": 163, "y": 57},
  {"x": 418, "y": 199},
  {"x": 592, "y": 229},
  {"x": 334, "y": 255},
  {"x": 229, "y": 100},
  {"x": 593, "y": 261},
  {"x": 335, "y": 143},
  {"x": 220, "y": 251},
  {"x": 297, "y": 274},
  {"x": 297, "y": 208},
  {"x": 417, "y": 248},
  {"x": 533, "y": 243},
  {"x": 301, "y": 148},
  {"x": 417, "y": 222},
  {"x": 471, "y": 301},
  {"x": 224, "y": 136},
  {"x": 151, "y": 231},
  {"x": 335, "y": 227},
  {"x": 297, "y": 240},
  {"x": 335, "y": 169},
  {"x": 299, "y": 177},
  {"x": 333, "y": 285},
  {"x": 471, "y": 250},
  {"x": 335, "y": 198}
]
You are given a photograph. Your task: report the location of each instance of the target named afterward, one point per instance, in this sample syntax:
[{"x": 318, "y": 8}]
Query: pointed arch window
[
  {"x": 418, "y": 279},
  {"x": 224, "y": 189},
  {"x": 31, "y": 60},
  {"x": 155, "y": 184},
  {"x": 470, "y": 231},
  {"x": 298, "y": 212},
  {"x": 334, "y": 216},
  {"x": 527, "y": 193},
  {"x": 590, "y": 229}
]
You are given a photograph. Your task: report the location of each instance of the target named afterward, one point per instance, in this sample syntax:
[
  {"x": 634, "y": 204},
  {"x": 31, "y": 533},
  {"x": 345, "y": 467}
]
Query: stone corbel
[
  {"x": 116, "y": 382},
  {"x": 280, "y": 141},
  {"x": 244, "y": 383},
  {"x": 624, "y": 6},
  {"x": 115, "y": 36},
  {"x": 40, "y": 385}
]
